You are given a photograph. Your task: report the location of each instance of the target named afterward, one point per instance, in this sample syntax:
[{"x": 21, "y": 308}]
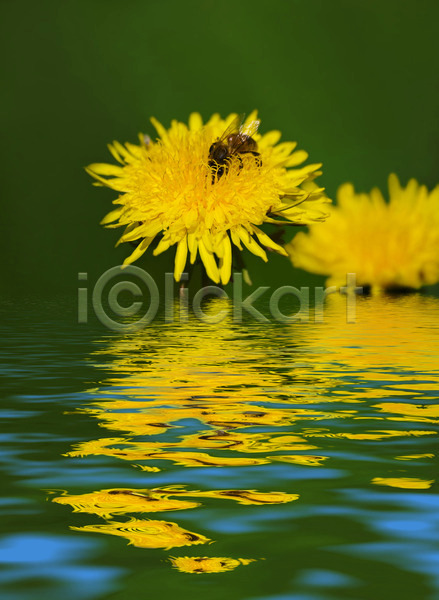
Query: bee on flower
[{"x": 206, "y": 188}]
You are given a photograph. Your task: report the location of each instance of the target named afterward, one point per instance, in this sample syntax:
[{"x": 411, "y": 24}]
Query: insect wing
[
  {"x": 233, "y": 128},
  {"x": 249, "y": 129},
  {"x": 246, "y": 130}
]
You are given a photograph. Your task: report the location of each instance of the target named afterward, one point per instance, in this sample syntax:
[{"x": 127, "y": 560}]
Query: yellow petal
[
  {"x": 122, "y": 151},
  {"x": 225, "y": 263},
  {"x": 209, "y": 262},
  {"x": 116, "y": 183},
  {"x": 235, "y": 238},
  {"x": 207, "y": 241},
  {"x": 296, "y": 158},
  {"x": 152, "y": 228},
  {"x": 250, "y": 243},
  {"x": 283, "y": 150},
  {"x": 115, "y": 153},
  {"x": 269, "y": 139},
  {"x": 112, "y": 216},
  {"x": 135, "y": 150},
  {"x": 193, "y": 246},
  {"x": 195, "y": 121},
  {"x": 180, "y": 258},
  {"x": 141, "y": 248},
  {"x": 268, "y": 242},
  {"x": 106, "y": 169},
  {"x": 160, "y": 129},
  {"x": 394, "y": 185},
  {"x": 162, "y": 246},
  {"x": 132, "y": 233}
]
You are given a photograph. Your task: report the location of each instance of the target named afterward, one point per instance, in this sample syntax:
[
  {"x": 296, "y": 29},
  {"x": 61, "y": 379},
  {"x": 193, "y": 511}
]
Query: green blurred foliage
[{"x": 353, "y": 81}]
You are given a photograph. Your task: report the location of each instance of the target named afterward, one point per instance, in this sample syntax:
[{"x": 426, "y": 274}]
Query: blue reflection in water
[{"x": 57, "y": 560}]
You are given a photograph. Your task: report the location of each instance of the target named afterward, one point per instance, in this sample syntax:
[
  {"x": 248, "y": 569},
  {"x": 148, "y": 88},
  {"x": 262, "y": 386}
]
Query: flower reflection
[
  {"x": 410, "y": 412},
  {"x": 407, "y": 483},
  {"x": 213, "y": 374},
  {"x": 414, "y": 456},
  {"x": 241, "y": 390},
  {"x": 200, "y": 564},
  {"x": 107, "y": 503},
  {"x": 148, "y": 533},
  {"x": 383, "y": 367},
  {"x": 392, "y": 335},
  {"x": 224, "y": 395}
]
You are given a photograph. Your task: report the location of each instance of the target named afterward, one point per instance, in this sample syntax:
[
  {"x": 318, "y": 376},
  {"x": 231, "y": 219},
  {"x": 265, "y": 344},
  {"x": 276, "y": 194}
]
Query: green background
[{"x": 354, "y": 82}]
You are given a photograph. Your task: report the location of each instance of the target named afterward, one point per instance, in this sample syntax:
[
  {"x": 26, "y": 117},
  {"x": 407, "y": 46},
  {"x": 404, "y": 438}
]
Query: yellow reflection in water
[
  {"x": 107, "y": 503},
  {"x": 241, "y": 383},
  {"x": 374, "y": 435},
  {"x": 302, "y": 459},
  {"x": 120, "y": 501},
  {"x": 390, "y": 335},
  {"x": 135, "y": 451},
  {"x": 230, "y": 378},
  {"x": 204, "y": 564},
  {"x": 216, "y": 440},
  {"x": 227, "y": 394},
  {"x": 390, "y": 352},
  {"x": 410, "y": 412},
  {"x": 414, "y": 456},
  {"x": 148, "y": 533},
  {"x": 222, "y": 376},
  {"x": 409, "y": 483}
]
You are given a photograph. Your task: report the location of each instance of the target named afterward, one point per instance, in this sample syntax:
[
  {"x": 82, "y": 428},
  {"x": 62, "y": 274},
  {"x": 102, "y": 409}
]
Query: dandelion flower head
[
  {"x": 169, "y": 193},
  {"x": 388, "y": 245}
]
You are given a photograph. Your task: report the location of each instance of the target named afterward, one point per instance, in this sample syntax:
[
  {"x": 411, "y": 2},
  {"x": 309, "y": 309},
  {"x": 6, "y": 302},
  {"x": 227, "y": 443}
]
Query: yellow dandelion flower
[
  {"x": 388, "y": 245},
  {"x": 206, "y": 193}
]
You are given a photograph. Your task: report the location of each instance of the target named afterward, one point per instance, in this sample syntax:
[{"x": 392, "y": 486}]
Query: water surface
[{"x": 244, "y": 460}]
